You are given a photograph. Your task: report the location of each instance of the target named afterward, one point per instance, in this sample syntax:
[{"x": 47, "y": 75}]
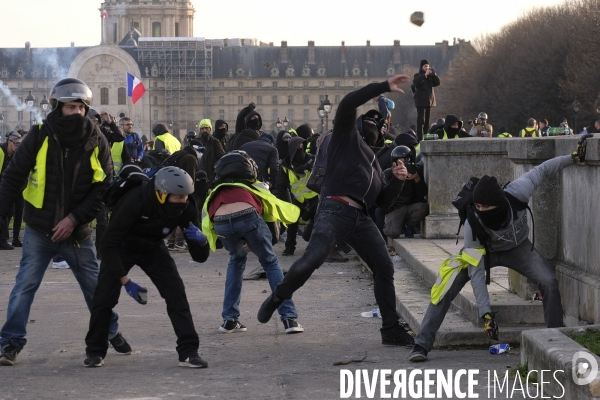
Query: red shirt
[{"x": 233, "y": 194}]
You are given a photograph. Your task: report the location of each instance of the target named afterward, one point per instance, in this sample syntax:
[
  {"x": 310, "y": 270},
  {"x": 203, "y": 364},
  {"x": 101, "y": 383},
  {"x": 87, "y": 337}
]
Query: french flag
[{"x": 135, "y": 88}]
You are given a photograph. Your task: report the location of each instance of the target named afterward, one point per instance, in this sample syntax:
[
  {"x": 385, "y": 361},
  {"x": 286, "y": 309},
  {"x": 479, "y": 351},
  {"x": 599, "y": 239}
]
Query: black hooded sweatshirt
[
  {"x": 290, "y": 162},
  {"x": 221, "y": 137},
  {"x": 139, "y": 224},
  {"x": 247, "y": 135},
  {"x": 352, "y": 167},
  {"x": 385, "y": 156},
  {"x": 450, "y": 119}
]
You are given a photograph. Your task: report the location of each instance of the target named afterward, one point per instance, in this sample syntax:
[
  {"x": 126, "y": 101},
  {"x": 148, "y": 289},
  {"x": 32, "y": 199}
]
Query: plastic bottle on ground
[{"x": 373, "y": 313}]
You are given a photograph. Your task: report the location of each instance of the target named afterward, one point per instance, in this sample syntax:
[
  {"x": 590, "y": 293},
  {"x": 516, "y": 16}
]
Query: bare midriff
[{"x": 232, "y": 208}]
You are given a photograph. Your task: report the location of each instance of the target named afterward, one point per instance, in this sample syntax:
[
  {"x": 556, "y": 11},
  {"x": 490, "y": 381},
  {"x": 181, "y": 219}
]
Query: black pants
[
  {"x": 161, "y": 269},
  {"x": 336, "y": 222},
  {"x": 101, "y": 224},
  {"x": 422, "y": 121}
]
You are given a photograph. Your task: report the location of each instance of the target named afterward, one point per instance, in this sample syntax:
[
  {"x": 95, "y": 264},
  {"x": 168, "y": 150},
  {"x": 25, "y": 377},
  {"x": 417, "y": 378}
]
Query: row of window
[
  {"x": 274, "y": 116},
  {"x": 275, "y": 99},
  {"x": 290, "y": 85}
]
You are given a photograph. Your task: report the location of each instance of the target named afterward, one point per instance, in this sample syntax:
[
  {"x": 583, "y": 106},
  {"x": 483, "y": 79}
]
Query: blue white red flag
[{"x": 135, "y": 88}]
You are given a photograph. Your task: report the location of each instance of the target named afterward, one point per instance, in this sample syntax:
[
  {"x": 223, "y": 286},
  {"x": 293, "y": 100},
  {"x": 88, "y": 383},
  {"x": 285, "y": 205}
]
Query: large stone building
[{"x": 189, "y": 78}]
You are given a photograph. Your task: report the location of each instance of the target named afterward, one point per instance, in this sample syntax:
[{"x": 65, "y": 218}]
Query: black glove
[{"x": 578, "y": 155}]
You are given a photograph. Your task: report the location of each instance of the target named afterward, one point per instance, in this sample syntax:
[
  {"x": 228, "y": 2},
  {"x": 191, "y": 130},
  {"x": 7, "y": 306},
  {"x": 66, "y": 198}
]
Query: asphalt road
[{"x": 260, "y": 363}]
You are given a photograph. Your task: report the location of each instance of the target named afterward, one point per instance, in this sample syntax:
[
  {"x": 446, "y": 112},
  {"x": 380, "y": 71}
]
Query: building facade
[{"x": 188, "y": 78}]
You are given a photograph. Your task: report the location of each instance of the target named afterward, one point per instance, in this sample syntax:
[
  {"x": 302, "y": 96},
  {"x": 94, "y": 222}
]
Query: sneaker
[
  {"x": 181, "y": 245},
  {"x": 268, "y": 307},
  {"x": 120, "y": 344},
  {"x": 397, "y": 336},
  {"x": 417, "y": 354},
  {"x": 17, "y": 243},
  {"x": 93, "y": 361},
  {"x": 171, "y": 246},
  {"x": 289, "y": 251},
  {"x": 193, "y": 361},
  {"x": 5, "y": 246},
  {"x": 60, "y": 265},
  {"x": 230, "y": 326},
  {"x": 8, "y": 356},
  {"x": 490, "y": 326},
  {"x": 335, "y": 256},
  {"x": 292, "y": 326},
  {"x": 408, "y": 232}
]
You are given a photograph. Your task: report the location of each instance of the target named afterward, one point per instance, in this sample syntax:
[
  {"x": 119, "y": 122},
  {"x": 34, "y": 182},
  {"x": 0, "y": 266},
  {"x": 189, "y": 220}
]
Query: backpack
[
  {"x": 234, "y": 167},
  {"x": 463, "y": 202},
  {"x": 317, "y": 174},
  {"x": 130, "y": 176}
]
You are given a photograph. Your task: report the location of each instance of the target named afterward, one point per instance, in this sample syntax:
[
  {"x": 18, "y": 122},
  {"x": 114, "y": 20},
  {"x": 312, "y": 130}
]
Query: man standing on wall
[{"x": 424, "y": 81}]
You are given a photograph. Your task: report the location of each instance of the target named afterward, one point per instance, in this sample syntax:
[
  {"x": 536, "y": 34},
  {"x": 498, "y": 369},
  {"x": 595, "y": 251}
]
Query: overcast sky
[{"x": 57, "y": 23}]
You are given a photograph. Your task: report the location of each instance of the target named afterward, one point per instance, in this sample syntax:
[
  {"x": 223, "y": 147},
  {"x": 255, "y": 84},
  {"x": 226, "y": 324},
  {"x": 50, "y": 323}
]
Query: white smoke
[{"x": 18, "y": 105}]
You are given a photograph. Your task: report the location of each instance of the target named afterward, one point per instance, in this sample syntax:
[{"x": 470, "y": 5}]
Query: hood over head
[
  {"x": 450, "y": 119},
  {"x": 159, "y": 129},
  {"x": 294, "y": 146},
  {"x": 250, "y": 114},
  {"x": 304, "y": 131}
]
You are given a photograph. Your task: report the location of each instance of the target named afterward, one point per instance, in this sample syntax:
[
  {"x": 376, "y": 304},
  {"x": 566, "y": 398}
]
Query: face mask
[
  {"x": 199, "y": 155},
  {"x": 175, "y": 209},
  {"x": 253, "y": 124},
  {"x": 370, "y": 134},
  {"x": 221, "y": 132},
  {"x": 494, "y": 219},
  {"x": 298, "y": 157}
]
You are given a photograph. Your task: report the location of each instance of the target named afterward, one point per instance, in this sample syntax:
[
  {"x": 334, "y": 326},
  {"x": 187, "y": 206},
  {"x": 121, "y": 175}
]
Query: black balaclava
[
  {"x": 299, "y": 158},
  {"x": 71, "y": 130},
  {"x": 488, "y": 192},
  {"x": 174, "y": 210},
  {"x": 253, "y": 124}
]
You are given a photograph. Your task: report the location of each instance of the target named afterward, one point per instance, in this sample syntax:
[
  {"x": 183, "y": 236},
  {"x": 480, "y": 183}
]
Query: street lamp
[
  {"x": 44, "y": 103},
  {"x": 327, "y": 107},
  {"x": 29, "y": 100},
  {"x": 322, "y": 114},
  {"x": 575, "y": 106},
  {"x": 286, "y": 122},
  {"x": 278, "y": 124}
]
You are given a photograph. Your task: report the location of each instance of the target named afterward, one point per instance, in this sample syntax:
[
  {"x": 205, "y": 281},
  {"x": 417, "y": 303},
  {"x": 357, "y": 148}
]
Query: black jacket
[
  {"x": 352, "y": 168},
  {"x": 425, "y": 95},
  {"x": 186, "y": 159},
  {"x": 4, "y": 147},
  {"x": 404, "y": 139},
  {"x": 283, "y": 180},
  {"x": 69, "y": 188},
  {"x": 266, "y": 157},
  {"x": 213, "y": 151},
  {"x": 451, "y": 119},
  {"x": 139, "y": 224},
  {"x": 221, "y": 138},
  {"x": 247, "y": 135},
  {"x": 411, "y": 193}
]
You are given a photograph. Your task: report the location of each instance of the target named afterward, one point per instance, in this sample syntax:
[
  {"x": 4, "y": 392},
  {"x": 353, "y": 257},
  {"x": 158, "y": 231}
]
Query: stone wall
[{"x": 567, "y": 225}]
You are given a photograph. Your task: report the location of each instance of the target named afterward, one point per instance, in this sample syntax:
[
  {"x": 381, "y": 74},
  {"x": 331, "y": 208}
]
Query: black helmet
[
  {"x": 403, "y": 153},
  {"x": 173, "y": 180},
  {"x": 236, "y": 165},
  {"x": 190, "y": 135},
  {"x": 70, "y": 89}
]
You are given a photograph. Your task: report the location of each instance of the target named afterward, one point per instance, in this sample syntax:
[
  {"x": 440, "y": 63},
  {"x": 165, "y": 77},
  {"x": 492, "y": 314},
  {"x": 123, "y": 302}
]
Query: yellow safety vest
[
  {"x": 298, "y": 185},
  {"x": 1, "y": 159},
  {"x": 274, "y": 209},
  {"x": 36, "y": 183},
  {"x": 528, "y": 130},
  {"x": 170, "y": 142},
  {"x": 504, "y": 135},
  {"x": 445, "y": 137},
  {"x": 116, "y": 152},
  {"x": 450, "y": 269}
]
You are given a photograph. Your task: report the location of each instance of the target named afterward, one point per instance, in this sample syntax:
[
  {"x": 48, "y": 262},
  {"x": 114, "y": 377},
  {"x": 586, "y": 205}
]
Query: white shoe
[{"x": 60, "y": 265}]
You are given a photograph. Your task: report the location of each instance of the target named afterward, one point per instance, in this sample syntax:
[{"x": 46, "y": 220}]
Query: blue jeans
[
  {"x": 38, "y": 250},
  {"x": 251, "y": 228},
  {"x": 336, "y": 223}
]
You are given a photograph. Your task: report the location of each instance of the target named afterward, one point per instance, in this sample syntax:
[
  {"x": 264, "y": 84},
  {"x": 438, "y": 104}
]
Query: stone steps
[{"x": 414, "y": 276}]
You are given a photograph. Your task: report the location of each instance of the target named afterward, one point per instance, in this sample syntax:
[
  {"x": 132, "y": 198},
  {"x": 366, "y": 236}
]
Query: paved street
[{"x": 260, "y": 363}]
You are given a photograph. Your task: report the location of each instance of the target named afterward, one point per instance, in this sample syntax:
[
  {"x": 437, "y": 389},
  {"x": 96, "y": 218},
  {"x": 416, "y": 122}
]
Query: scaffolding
[{"x": 186, "y": 65}]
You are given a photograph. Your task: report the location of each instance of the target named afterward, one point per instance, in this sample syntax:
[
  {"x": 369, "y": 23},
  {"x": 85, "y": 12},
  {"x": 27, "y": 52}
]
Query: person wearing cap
[
  {"x": 530, "y": 130},
  {"x": 265, "y": 154},
  {"x": 140, "y": 221},
  {"x": 504, "y": 132},
  {"x": 480, "y": 126},
  {"x": 424, "y": 81},
  {"x": 65, "y": 165},
  {"x": 7, "y": 150},
  {"x": 164, "y": 139},
  {"x": 352, "y": 185},
  {"x": 496, "y": 233},
  {"x": 213, "y": 149}
]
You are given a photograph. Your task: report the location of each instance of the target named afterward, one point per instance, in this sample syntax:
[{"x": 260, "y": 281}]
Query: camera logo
[{"x": 584, "y": 368}]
